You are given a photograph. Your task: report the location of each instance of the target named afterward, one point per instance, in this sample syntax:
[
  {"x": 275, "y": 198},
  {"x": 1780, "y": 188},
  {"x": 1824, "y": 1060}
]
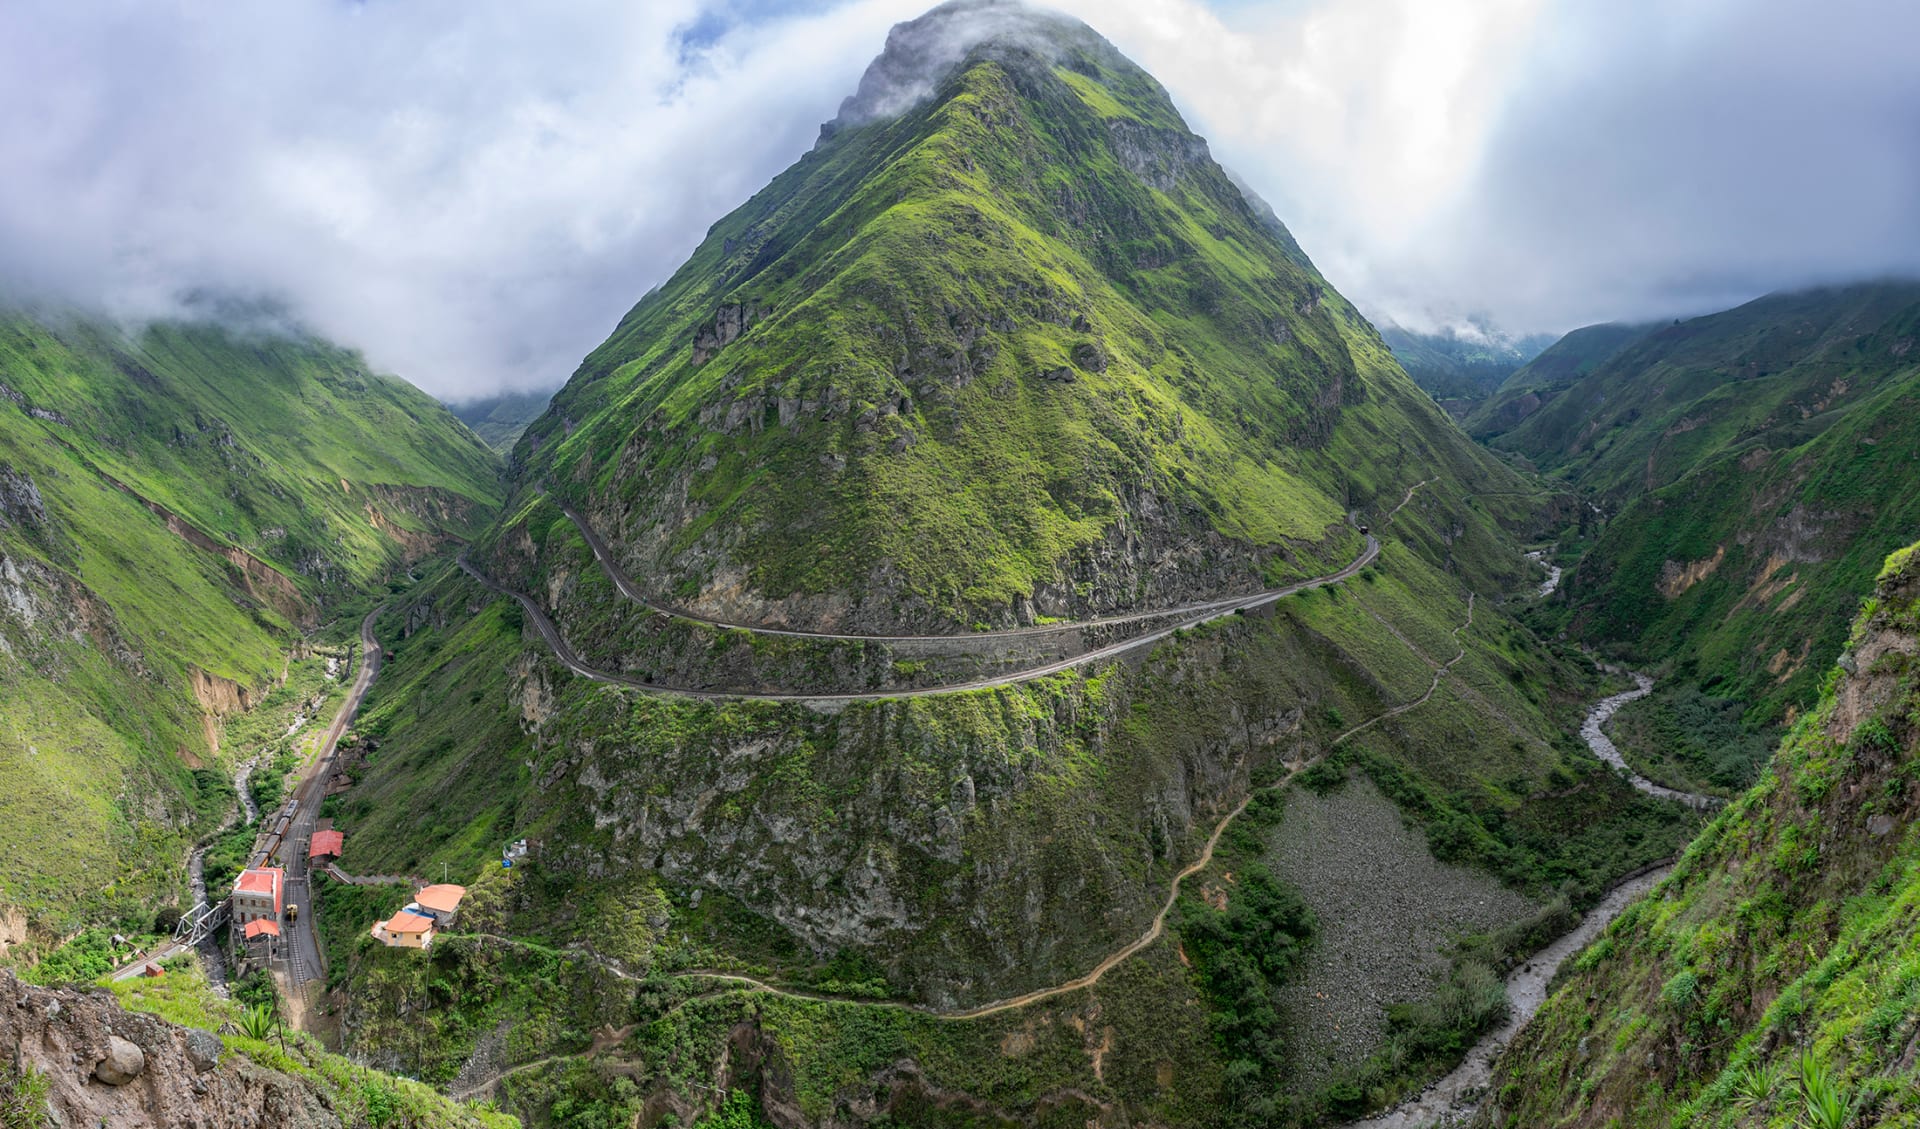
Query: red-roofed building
[
  {"x": 262, "y": 928},
  {"x": 257, "y": 895},
  {"x": 439, "y": 902},
  {"x": 326, "y": 846},
  {"x": 405, "y": 930}
]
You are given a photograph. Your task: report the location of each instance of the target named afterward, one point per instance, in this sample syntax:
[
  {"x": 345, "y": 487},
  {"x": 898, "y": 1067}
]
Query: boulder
[
  {"x": 203, "y": 1050},
  {"x": 123, "y": 1063}
]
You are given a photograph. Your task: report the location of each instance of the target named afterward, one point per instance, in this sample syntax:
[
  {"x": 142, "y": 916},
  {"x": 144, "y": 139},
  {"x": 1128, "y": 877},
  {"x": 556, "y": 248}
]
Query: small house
[
  {"x": 258, "y": 895},
  {"x": 325, "y": 847},
  {"x": 405, "y": 930},
  {"x": 439, "y": 902},
  {"x": 262, "y": 928}
]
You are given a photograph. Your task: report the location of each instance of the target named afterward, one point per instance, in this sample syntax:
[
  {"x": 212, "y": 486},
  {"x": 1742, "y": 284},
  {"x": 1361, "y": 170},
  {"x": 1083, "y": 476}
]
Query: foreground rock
[{"x": 103, "y": 1065}]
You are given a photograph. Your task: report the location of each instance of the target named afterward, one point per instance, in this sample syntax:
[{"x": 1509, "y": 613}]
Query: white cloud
[{"x": 474, "y": 191}]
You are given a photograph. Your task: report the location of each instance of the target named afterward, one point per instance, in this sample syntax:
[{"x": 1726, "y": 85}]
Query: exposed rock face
[
  {"x": 1159, "y": 157},
  {"x": 218, "y": 695},
  {"x": 108, "y": 1066},
  {"x": 40, "y": 604},
  {"x": 918, "y": 830},
  {"x": 20, "y": 502}
]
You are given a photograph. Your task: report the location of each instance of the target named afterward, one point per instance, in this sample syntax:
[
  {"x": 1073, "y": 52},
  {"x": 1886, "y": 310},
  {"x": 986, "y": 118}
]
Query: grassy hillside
[
  {"x": 1759, "y": 461},
  {"x": 1523, "y": 391},
  {"x": 1023, "y": 350},
  {"x": 1769, "y": 373},
  {"x": 1743, "y": 571},
  {"x": 177, "y": 505},
  {"x": 1773, "y": 978},
  {"x": 947, "y": 851}
]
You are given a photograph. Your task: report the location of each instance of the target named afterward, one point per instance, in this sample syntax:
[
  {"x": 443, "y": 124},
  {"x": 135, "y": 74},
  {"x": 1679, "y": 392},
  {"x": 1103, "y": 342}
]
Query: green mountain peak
[{"x": 1008, "y": 343}]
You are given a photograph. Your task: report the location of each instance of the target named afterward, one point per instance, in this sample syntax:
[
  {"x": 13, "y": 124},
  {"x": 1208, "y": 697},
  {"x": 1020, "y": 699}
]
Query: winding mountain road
[
  {"x": 632, "y": 591},
  {"x": 1155, "y": 929},
  {"x": 1195, "y": 616}
]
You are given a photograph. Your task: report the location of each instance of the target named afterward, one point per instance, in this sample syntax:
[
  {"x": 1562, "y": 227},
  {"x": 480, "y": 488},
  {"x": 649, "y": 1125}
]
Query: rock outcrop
[{"x": 104, "y": 1065}]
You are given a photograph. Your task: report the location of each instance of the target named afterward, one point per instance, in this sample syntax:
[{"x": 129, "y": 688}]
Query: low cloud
[{"x": 474, "y": 195}]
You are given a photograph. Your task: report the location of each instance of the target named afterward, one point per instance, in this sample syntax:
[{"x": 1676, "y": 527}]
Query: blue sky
[{"x": 474, "y": 191}]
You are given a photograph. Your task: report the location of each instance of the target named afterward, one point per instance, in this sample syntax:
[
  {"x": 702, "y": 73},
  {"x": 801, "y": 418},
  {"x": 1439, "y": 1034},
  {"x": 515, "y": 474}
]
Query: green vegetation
[
  {"x": 178, "y": 505},
  {"x": 355, "y": 1093},
  {"x": 23, "y": 1097},
  {"x": 1461, "y": 369},
  {"x": 1760, "y": 461},
  {"x": 1240, "y": 953},
  {"x": 942, "y": 359},
  {"x": 1686, "y": 739},
  {"x": 1776, "y": 972},
  {"x": 1560, "y": 365},
  {"x": 500, "y": 420},
  {"x": 87, "y": 957}
]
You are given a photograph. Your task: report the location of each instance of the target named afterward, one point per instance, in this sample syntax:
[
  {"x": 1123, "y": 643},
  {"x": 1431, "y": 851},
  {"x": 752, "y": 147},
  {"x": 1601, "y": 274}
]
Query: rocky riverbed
[{"x": 1452, "y": 1100}]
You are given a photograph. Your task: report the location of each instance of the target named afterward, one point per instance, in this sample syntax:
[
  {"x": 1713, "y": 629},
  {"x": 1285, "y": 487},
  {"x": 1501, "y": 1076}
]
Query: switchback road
[{"x": 1200, "y": 614}]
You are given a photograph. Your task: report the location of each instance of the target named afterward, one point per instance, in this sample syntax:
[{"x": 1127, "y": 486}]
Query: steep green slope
[
  {"x": 1020, "y": 351},
  {"x": 1523, "y": 391},
  {"x": 1459, "y": 369},
  {"x": 1770, "y": 373},
  {"x": 1774, "y": 978},
  {"x": 176, "y": 505},
  {"x": 1760, "y": 460},
  {"x": 1023, "y": 350},
  {"x": 1743, "y": 571}
]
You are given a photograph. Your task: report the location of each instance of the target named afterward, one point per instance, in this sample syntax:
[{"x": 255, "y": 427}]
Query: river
[{"x": 1453, "y": 1099}]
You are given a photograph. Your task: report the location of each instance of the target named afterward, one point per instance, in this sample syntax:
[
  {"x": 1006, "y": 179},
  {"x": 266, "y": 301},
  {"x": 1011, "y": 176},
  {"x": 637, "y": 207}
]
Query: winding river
[{"x": 1453, "y": 1099}]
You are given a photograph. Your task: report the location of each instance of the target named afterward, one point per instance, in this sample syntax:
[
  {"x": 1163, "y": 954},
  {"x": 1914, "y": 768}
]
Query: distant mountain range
[{"x": 1461, "y": 366}]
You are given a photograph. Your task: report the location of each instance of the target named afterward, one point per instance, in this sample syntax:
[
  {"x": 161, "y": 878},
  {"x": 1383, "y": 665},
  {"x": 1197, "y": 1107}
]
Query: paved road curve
[
  {"x": 1202, "y": 614},
  {"x": 632, "y": 591}
]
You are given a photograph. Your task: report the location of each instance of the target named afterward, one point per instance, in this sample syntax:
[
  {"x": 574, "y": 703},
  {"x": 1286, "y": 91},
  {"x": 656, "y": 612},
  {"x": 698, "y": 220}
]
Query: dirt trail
[
  {"x": 1153, "y": 932},
  {"x": 1405, "y": 500},
  {"x": 1154, "y": 929}
]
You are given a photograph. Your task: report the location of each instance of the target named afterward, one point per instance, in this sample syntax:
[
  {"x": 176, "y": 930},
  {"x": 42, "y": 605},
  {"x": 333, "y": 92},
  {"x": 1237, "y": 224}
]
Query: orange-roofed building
[
  {"x": 405, "y": 930},
  {"x": 262, "y": 928},
  {"x": 439, "y": 902},
  {"x": 326, "y": 846},
  {"x": 257, "y": 895}
]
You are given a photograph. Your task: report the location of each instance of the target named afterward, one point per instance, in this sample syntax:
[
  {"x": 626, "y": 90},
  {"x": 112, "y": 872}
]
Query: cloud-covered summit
[{"x": 921, "y": 53}]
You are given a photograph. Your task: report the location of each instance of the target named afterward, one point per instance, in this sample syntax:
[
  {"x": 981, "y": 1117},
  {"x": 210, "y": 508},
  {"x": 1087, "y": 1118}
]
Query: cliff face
[
  {"x": 1780, "y": 958},
  {"x": 84, "y": 1060}
]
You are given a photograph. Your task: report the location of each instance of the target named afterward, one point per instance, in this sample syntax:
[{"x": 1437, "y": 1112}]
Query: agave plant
[
  {"x": 257, "y": 1023},
  {"x": 1823, "y": 1100},
  {"x": 1754, "y": 1086}
]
